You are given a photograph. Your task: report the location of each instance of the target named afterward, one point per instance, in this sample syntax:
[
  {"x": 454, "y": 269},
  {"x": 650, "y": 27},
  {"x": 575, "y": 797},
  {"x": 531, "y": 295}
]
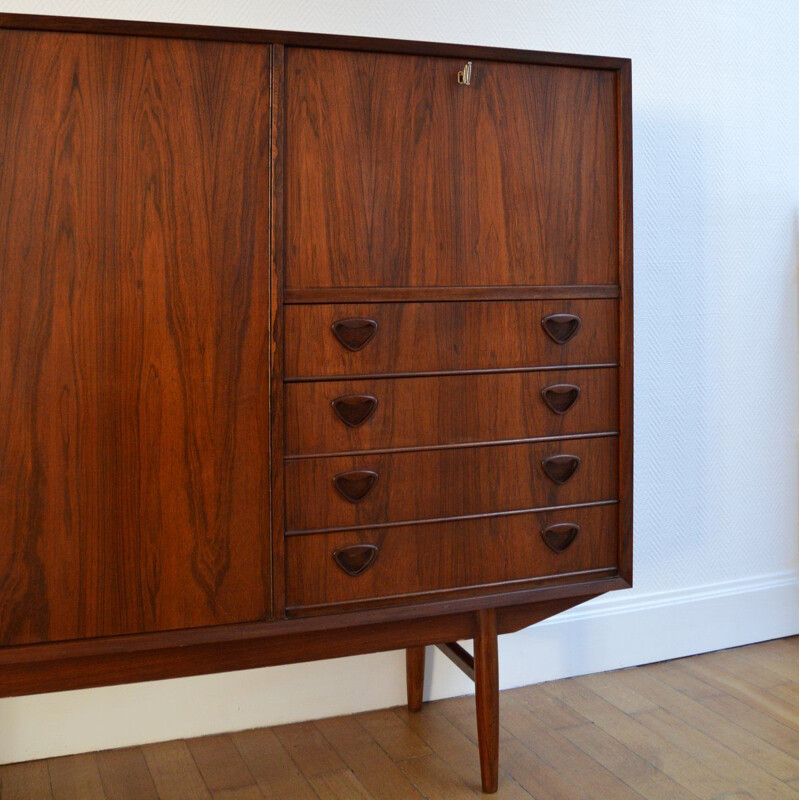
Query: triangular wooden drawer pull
[
  {"x": 560, "y": 397},
  {"x": 354, "y": 333},
  {"x": 356, "y": 558},
  {"x": 561, "y": 327},
  {"x": 560, "y": 468},
  {"x": 559, "y": 537},
  {"x": 354, "y": 409},
  {"x": 356, "y": 484}
]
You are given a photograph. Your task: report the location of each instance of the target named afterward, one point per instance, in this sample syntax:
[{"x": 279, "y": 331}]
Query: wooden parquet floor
[{"x": 721, "y": 726}]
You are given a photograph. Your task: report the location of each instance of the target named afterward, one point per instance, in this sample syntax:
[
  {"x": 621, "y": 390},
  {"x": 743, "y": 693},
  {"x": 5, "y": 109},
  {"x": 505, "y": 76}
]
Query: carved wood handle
[
  {"x": 561, "y": 468},
  {"x": 354, "y": 409},
  {"x": 354, "y": 333},
  {"x": 356, "y": 558},
  {"x": 561, "y": 327},
  {"x": 560, "y": 397},
  {"x": 355, "y": 485},
  {"x": 559, "y": 537}
]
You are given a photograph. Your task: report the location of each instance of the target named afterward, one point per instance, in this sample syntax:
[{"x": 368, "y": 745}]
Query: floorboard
[{"x": 717, "y": 726}]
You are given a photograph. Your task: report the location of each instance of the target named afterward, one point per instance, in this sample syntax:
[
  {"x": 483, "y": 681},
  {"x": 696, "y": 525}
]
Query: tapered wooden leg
[
  {"x": 415, "y": 676},
  {"x": 487, "y": 698}
]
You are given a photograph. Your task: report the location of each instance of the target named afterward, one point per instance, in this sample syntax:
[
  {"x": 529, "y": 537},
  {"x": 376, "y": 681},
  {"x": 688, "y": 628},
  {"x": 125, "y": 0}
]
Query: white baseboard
[
  {"x": 618, "y": 630},
  {"x": 624, "y": 629}
]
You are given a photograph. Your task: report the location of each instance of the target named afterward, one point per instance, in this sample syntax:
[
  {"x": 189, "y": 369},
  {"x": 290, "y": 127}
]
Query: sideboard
[{"x": 310, "y": 346}]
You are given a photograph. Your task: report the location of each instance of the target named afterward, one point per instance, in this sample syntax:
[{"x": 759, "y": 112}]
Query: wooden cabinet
[{"x": 309, "y": 346}]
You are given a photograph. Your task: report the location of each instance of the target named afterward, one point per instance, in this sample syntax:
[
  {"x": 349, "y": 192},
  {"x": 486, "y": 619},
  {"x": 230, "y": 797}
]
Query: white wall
[{"x": 715, "y": 203}]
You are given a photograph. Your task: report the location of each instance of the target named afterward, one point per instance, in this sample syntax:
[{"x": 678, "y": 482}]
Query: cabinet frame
[{"x": 58, "y": 666}]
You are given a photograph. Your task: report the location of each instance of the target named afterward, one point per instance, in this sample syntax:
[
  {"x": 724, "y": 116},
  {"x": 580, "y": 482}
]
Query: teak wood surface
[{"x": 305, "y": 349}]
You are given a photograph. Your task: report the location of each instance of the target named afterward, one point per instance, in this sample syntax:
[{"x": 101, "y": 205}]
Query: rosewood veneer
[{"x": 310, "y": 346}]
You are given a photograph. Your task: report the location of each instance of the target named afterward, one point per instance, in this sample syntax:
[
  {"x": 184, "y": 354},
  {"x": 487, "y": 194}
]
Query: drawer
[
  {"x": 446, "y": 556},
  {"x": 324, "y": 493},
  {"x": 324, "y": 416},
  {"x": 387, "y": 338}
]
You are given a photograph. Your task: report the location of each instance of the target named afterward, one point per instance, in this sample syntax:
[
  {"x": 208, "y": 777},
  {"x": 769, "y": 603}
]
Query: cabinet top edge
[{"x": 169, "y": 30}]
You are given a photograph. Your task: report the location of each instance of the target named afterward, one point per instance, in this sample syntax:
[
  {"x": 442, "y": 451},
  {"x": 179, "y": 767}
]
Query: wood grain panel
[
  {"x": 133, "y": 356},
  {"x": 397, "y": 176},
  {"x": 422, "y": 412},
  {"x": 447, "y": 483},
  {"x": 448, "y": 555},
  {"x": 441, "y": 337}
]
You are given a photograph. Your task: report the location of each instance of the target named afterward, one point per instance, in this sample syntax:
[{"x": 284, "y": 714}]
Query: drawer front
[
  {"x": 424, "y": 412},
  {"x": 388, "y": 338},
  {"x": 465, "y": 554},
  {"x": 397, "y": 176},
  {"x": 323, "y": 493}
]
